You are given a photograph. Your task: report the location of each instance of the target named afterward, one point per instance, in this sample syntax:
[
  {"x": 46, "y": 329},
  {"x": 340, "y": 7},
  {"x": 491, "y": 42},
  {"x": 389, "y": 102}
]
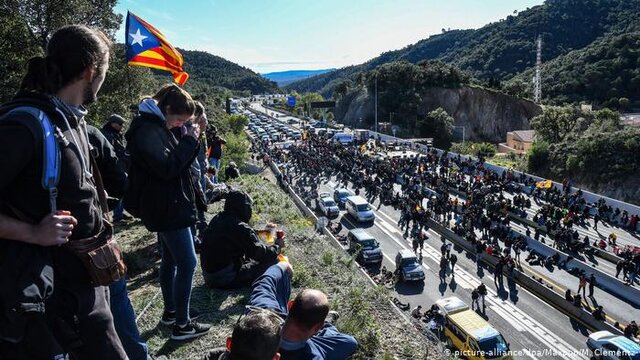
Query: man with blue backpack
[{"x": 57, "y": 254}]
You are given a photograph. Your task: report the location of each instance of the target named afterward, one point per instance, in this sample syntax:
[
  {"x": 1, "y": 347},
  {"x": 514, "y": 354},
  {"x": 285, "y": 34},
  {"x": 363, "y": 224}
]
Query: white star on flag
[{"x": 137, "y": 38}]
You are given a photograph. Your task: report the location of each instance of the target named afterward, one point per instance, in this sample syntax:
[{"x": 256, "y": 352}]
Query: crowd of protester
[
  {"x": 63, "y": 291},
  {"x": 462, "y": 194}
]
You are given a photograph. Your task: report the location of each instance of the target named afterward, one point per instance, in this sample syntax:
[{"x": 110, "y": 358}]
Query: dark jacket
[
  {"x": 113, "y": 174},
  {"x": 27, "y": 271},
  {"x": 229, "y": 238},
  {"x": 118, "y": 143},
  {"x": 160, "y": 190}
]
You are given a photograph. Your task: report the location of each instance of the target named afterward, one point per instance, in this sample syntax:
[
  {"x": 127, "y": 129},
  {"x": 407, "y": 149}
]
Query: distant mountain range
[
  {"x": 499, "y": 51},
  {"x": 289, "y": 76}
]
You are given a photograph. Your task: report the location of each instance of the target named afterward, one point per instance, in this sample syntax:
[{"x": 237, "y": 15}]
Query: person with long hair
[
  {"x": 163, "y": 143},
  {"x": 42, "y": 224}
]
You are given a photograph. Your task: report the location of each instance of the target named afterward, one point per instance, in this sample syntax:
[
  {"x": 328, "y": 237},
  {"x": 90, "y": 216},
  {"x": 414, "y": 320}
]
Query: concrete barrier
[
  {"x": 588, "y": 196},
  {"x": 604, "y": 281},
  {"x": 550, "y": 296}
]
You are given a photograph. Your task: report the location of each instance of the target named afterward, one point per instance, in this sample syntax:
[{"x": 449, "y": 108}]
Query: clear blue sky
[{"x": 277, "y": 35}]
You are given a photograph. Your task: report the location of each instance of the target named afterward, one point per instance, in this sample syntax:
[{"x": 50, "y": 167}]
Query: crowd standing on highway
[{"x": 481, "y": 209}]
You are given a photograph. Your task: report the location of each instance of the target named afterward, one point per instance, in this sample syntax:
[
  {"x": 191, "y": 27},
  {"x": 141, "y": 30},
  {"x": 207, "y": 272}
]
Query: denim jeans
[
  {"x": 118, "y": 210},
  {"x": 216, "y": 164},
  {"x": 124, "y": 320},
  {"x": 176, "y": 271}
]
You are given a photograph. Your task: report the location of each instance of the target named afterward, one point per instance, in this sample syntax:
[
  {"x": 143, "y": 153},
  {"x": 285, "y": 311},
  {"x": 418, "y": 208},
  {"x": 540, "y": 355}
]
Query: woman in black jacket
[{"x": 163, "y": 143}]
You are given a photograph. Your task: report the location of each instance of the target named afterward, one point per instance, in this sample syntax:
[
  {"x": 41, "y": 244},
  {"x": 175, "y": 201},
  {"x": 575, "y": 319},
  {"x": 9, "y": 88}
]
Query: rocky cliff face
[{"x": 486, "y": 115}]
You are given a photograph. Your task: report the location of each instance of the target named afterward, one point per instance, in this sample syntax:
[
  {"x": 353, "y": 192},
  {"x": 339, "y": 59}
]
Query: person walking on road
[
  {"x": 592, "y": 284},
  {"x": 448, "y": 249},
  {"x": 453, "y": 259},
  {"x": 475, "y": 297},
  {"x": 619, "y": 267},
  {"x": 482, "y": 292},
  {"x": 582, "y": 285}
]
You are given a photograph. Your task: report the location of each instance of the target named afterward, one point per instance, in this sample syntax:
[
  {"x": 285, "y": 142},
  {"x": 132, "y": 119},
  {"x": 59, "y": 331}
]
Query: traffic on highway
[{"x": 491, "y": 263}]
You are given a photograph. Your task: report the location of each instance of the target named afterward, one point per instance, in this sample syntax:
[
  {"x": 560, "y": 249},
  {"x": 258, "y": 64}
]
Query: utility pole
[
  {"x": 537, "y": 90},
  {"x": 376, "y": 101}
]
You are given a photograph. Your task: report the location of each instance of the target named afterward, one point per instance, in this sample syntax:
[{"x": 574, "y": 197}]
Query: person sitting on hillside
[
  {"x": 232, "y": 171},
  {"x": 308, "y": 331},
  {"x": 256, "y": 336},
  {"x": 232, "y": 254}
]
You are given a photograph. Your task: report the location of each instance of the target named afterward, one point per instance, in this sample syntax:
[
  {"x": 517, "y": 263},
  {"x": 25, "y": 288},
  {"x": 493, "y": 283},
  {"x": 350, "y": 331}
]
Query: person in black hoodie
[
  {"x": 228, "y": 240},
  {"x": 40, "y": 319},
  {"x": 161, "y": 193},
  {"x": 113, "y": 133}
]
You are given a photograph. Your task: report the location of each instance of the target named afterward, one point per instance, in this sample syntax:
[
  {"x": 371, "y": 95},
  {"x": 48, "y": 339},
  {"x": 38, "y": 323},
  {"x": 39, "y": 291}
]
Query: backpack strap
[{"x": 50, "y": 153}]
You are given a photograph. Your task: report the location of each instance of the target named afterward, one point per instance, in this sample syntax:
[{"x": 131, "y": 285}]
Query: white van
[
  {"x": 360, "y": 209},
  {"x": 343, "y": 138}
]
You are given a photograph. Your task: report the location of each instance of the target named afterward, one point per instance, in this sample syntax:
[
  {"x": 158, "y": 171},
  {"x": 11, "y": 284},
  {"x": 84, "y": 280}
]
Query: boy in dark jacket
[{"x": 228, "y": 241}]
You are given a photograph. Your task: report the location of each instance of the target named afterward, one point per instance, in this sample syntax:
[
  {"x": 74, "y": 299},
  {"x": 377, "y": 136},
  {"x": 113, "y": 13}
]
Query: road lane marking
[{"x": 508, "y": 318}]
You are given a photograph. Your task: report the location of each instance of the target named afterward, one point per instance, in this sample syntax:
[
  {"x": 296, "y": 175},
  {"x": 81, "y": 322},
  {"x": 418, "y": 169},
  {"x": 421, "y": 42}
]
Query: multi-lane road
[{"x": 533, "y": 328}]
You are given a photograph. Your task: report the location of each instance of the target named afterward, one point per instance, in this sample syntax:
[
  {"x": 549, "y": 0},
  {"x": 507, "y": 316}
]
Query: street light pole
[{"x": 376, "y": 101}]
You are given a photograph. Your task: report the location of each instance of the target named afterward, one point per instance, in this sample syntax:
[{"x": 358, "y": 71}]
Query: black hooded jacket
[
  {"x": 229, "y": 238},
  {"x": 27, "y": 271},
  {"x": 160, "y": 191}
]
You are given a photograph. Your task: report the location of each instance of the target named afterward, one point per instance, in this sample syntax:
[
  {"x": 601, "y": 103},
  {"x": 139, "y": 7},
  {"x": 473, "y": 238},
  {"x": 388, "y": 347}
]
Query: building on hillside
[{"x": 518, "y": 141}]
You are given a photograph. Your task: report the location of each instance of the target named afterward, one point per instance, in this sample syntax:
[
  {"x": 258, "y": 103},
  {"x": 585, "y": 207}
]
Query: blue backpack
[{"x": 50, "y": 155}]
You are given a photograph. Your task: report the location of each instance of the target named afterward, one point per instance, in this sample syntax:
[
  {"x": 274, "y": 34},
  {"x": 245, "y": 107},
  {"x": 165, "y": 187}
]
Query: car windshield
[
  {"x": 410, "y": 262},
  {"x": 493, "y": 347},
  {"x": 368, "y": 243},
  {"x": 343, "y": 194},
  {"x": 363, "y": 207}
]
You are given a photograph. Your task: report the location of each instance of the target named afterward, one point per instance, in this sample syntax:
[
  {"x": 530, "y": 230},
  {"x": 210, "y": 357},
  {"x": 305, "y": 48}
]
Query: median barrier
[
  {"x": 587, "y": 195},
  {"x": 603, "y": 280},
  {"x": 333, "y": 240},
  {"x": 548, "y": 295}
]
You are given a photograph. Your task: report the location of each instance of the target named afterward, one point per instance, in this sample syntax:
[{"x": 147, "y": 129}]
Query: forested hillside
[
  {"x": 217, "y": 72},
  {"x": 501, "y": 50},
  {"x": 607, "y": 71}
]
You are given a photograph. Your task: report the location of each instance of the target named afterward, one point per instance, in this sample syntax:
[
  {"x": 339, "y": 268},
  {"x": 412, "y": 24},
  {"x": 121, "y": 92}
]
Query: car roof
[
  {"x": 343, "y": 191},
  {"x": 361, "y": 234},
  {"x": 358, "y": 200},
  {"x": 406, "y": 253},
  {"x": 625, "y": 344},
  {"x": 451, "y": 304}
]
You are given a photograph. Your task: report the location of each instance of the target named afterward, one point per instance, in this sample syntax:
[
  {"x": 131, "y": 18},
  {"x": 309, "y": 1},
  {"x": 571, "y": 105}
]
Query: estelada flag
[{"x": 146, "y": 46}]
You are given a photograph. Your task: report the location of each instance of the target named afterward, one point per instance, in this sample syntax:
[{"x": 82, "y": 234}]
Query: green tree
[
  {"x": 237, "y": 123},
  {"x": 555, "y": 123},
  {"x": 538, "y": 157},
  {"x": 438, "y": 124},
  {"x": 43, "y": 17}
]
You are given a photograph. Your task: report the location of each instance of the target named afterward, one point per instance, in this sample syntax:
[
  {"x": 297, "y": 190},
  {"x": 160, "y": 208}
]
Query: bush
[{"x": 538, "y": 157}]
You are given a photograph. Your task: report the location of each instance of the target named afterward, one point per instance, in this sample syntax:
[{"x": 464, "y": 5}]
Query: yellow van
[{"x": 470, "y": 334}]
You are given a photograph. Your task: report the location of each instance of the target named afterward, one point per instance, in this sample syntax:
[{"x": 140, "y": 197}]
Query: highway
[
  {"x": 533, "y": 328},
  {"x": 528, "y": 323}
]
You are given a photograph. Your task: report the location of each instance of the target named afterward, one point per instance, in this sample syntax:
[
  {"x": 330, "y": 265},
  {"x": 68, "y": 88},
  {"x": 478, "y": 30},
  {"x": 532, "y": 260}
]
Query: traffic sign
[{"x": 291, "y": 101}]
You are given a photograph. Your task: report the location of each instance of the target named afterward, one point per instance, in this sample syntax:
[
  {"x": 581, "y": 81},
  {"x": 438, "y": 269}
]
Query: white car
[
  {"x": 328, "y": 207},
  {"x": 606, "y": 345}
]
